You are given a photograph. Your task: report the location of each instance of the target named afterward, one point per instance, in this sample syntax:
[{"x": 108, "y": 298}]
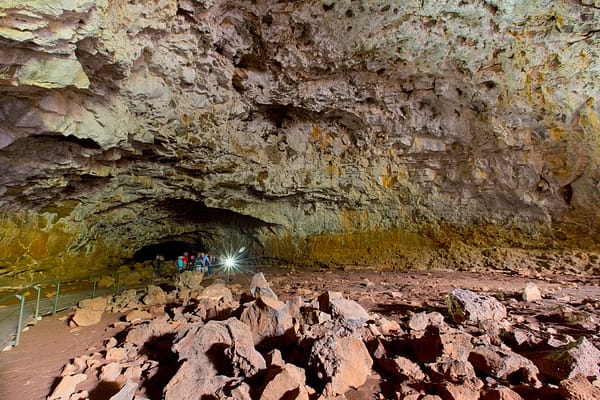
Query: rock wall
[{"x": 307, "y": 126}]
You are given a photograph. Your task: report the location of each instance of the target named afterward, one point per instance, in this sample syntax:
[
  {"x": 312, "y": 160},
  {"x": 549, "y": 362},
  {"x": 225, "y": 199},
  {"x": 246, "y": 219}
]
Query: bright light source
[{"x": 230, "y": 262}]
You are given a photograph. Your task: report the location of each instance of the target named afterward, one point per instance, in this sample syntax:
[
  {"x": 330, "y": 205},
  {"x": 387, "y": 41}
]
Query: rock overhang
[{"x": 340, "y": 126}]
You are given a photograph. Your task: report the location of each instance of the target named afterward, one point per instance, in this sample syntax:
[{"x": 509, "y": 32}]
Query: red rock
[
  {"x": 501, "y": 393},
  {"x": 288, "y": 383},
  {"x": 269, "y": 318},
  {"x": 342, "y": 363},
  {"x": 501, "y": 362},
  {"x": 67, "y": 387},
  {"x": 578, "y": 387}
]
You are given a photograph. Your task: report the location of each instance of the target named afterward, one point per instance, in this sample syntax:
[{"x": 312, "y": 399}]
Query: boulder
[
  {"x": 110, "y": 372},
  {"x": 191, "y": 280},
  {"x": 500, "y": 393},
  {"x": 155, "y": 295},
  {"x": 502, "y": 362},
  {"x": 420, "y": 321},
  {"x": 212, "y": 353},
  {"x": 288, "y": 382},
  {"x": 326, "y": 298},
  {"x": 259, "y": 287},
  {"x": 465, "y": 306},
  {"x": 215, "y": 301},
  {"x": 340, "y": 363},
  {"x": 580, "y": 357},
  {"x": 348, "y": 312},
  {"x": 452, "y": 370},
  {"x": 269, "y": 318},
  {"x": 139, "y": 335},
  {"x": 432, "y": 344},
  {"x": 402, "y": 368},
  {"x": 67, "y": 387},
  {"x": 116, "y": 354},
  {"x": 127, "y": 392},
  {"x": 137, "y": 315},
  {"x": 531, "y": 292},
  {"x": 90, "y": 311},
  {"x": 468, "y": 390},
  {"x": 578, "y": 387},
  {"x": 125, "y": 301}
]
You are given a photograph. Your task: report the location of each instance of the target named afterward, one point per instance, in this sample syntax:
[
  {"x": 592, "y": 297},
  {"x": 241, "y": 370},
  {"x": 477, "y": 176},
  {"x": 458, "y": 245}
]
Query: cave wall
[{"x": 327, "y": 127}]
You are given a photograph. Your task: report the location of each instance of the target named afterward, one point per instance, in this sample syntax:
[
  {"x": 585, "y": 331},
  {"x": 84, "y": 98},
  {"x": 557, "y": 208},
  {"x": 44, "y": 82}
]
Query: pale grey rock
[
  {"x": 531, "y": 292},
  {"x": 127, "y": 392},
  {"x": 465, "y": 306},
  {"x": 579, "y": 357},
  {"x": 349, "y": 312},
  {"x": 259, "y": 287}
]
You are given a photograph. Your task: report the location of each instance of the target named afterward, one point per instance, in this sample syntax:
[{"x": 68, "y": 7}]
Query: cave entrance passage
[{"x": 170, "y": 250}]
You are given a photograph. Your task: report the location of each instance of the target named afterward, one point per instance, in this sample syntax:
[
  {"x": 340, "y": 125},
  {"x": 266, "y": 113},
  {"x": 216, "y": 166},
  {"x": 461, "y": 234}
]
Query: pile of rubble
[{"x": 198, "y": 342}]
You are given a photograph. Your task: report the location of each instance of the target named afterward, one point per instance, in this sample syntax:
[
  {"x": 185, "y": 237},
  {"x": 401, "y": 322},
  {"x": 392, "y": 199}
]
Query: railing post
[
  {"x": 56, "y": 299},
  {"x": 94, "y": 288},
  {"x": 20, "y": 323},
  {"x": 37, "y": 302}
]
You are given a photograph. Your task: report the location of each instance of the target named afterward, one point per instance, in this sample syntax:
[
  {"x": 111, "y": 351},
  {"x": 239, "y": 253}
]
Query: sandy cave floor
[{"x": 31, "y": 370}]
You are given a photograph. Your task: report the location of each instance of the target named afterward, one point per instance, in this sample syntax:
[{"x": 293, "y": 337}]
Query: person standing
[{"x": 180, "y": 264}]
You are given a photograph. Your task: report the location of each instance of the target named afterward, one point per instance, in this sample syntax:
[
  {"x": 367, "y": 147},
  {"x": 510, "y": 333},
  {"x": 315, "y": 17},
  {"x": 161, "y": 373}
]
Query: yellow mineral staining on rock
[{"x": 53, "y": 73}]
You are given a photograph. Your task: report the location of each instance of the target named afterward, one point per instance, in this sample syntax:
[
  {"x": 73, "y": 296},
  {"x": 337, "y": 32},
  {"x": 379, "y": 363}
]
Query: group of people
[{"x": 195, "y": 262}]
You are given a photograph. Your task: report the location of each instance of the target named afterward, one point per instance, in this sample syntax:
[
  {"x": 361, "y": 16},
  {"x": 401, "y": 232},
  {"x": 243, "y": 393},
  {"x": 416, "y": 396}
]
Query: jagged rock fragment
[
  {"x": 127, "y": 392},
  {"x": 466, "y": 306},
  {"x": 259, "y": 287},
  {"x": 402, "y": 368},
  {"x": 212, "y": 354},
  {"x": 433, "y": 344},
  {"x": 190, "y": 279},
  {"x": 67, "y": 387},
  {"x": 578, "y": 387},
  {"x": 340, "y": 363},
  {"x": 155, "y": 296},
  {"x": 289, "y": 382},
  {"x": 268, "y": 318},
  {"x": 531, "y": 292},
  {"x": 580, "y": 357},
  {"x": 502, "y": 363},
  {"x": 90, "y": 311},
  {"x": 349, "y": 312}
]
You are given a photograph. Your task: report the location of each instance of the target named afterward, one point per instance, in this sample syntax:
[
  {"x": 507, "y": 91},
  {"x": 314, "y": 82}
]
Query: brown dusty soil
[{"x": 31, "y": 370}]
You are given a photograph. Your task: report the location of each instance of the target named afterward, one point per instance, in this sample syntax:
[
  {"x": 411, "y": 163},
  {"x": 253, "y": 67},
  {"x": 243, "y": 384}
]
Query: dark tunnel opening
[{"x": 170, "y": 250}]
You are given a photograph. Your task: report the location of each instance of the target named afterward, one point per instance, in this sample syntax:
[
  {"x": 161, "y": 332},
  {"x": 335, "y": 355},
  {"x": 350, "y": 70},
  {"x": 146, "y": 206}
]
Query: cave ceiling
[{"x": 299, "y": 127}]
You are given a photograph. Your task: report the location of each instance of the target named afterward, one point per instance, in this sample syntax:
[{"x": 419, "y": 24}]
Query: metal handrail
[{"x": 20, "y": 295}]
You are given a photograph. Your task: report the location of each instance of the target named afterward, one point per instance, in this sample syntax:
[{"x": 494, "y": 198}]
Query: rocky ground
[{"x": 321, "y": 334}]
